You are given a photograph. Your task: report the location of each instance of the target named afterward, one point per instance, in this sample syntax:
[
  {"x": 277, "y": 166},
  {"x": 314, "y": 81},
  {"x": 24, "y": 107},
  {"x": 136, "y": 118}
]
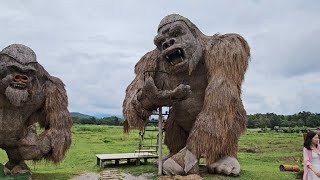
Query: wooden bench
[{"x": 101, "y": 158}]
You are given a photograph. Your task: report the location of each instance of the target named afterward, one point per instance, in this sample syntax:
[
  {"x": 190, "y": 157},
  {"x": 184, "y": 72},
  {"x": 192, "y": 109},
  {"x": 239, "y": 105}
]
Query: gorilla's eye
[
  {"x": 30, "y": 72},
  {"x": 13, "y": 68},
  {"x": 158, "y": 40},
  {"x": 174, "y": 34},
  {"x": 175, "y": 31},
  {"x": 2, "y": 72}
]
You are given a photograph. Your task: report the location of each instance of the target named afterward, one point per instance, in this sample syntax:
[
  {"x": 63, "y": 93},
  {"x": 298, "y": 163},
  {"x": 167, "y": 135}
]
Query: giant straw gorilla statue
[
  {"x": 28, "y": 94},
  {"x": 200, "y": 77}
]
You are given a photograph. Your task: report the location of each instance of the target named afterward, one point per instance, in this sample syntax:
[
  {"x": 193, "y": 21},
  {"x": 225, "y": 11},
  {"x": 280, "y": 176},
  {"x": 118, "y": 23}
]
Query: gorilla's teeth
[
  {"x": 181, "y": 58},
  {"x": 167, "y": 57},
  {"x": 171, "y": 63},
  {"x": 179, "y": 51}
]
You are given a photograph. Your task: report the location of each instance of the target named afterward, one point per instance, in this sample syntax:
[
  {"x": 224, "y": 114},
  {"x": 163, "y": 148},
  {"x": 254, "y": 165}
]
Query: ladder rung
[
  {"x": 151, "y": 130},
  {"x": 151, "y": 146},
  {"x": 146, "y": 150},
  {"x": 150, "y": 138}
]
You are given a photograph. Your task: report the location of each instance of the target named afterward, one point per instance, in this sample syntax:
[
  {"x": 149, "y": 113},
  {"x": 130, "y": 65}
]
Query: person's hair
[{"x": 308, "y": 140}]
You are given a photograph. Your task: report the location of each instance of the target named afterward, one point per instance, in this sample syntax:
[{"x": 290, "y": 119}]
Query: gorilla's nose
[
  {"x": 168, "y": 43},
  {"x": 21, "y": 78}
]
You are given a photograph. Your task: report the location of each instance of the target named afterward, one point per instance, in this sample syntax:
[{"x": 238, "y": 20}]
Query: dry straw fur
[
  {"x": 46, "y": 104},
  {"x": 54, "y": 117},
  {"x": 216, "y": 129}
]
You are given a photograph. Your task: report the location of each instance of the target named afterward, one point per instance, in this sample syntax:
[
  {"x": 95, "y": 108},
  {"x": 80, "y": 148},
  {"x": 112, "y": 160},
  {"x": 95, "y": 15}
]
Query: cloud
[{"x": 93, "y": 46}]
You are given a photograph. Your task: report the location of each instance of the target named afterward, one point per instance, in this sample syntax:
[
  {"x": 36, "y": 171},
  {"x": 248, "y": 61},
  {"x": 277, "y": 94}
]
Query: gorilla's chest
[
  {"x": 13, "y": 119},
  {"x": 185, "y": 112}
]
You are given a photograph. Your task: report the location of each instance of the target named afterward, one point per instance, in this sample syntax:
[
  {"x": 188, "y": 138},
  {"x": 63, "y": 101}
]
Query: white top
[{"x": 315, "y": 161}]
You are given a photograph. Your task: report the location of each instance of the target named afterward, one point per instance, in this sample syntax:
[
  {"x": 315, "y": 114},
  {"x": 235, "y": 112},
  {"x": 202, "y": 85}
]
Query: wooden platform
[{"x": 125, "y": 156}]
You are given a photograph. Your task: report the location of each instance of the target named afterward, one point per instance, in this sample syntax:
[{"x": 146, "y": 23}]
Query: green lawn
[{"x": 260, "y": 154}]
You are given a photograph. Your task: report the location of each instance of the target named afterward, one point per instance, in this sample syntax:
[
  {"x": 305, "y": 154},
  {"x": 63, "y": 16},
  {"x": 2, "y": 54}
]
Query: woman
[{"x": 311, "y": 157}]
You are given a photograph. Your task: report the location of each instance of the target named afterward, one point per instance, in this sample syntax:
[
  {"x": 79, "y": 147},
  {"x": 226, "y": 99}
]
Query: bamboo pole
[{"x": 160, "y": 142}]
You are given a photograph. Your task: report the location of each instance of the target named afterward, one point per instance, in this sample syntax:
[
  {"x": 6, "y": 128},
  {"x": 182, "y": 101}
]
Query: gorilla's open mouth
[
  {"x": 21, "y": 86},
  {"x": 175, "y": 56}
]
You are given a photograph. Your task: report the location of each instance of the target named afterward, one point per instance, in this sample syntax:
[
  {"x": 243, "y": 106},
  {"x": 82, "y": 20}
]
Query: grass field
[{"x": 260, "y": 154}]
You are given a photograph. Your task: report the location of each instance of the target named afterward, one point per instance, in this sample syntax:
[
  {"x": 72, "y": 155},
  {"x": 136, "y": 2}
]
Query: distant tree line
[
  {"x": 271, "y": 120},
  {"x": 112, "y": 121}
]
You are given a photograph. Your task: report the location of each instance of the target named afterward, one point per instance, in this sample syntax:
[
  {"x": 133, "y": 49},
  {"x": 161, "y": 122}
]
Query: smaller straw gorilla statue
[
  {"x": 29, "y": 95},
  {"x": 200, "y": 77}
]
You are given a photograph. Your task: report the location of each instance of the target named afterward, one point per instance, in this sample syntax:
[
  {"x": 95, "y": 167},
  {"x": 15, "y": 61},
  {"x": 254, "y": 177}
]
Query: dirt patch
[{"x": 249, "y": 150}]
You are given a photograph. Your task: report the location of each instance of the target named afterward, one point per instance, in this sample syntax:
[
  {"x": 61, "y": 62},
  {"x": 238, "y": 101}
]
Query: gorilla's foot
[
  {"x": 184, "y": 162},
  {"x": 228, "y": 166},
  {"x": 16, "y": 168},
  {"x": 156, "y": 162}
]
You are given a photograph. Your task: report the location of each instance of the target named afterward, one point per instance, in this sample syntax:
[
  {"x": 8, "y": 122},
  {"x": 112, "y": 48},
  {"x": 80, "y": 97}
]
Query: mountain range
[{"x": 81, "y": 115}]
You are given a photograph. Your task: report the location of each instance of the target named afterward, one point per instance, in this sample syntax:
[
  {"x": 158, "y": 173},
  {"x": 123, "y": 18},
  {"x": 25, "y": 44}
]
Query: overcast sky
[{"x": 93, "y": 46}]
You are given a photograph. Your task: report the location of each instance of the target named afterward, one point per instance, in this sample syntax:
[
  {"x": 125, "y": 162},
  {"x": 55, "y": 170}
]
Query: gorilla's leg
[
  {"x": 176, "y": 137},
  {"x": 220, "y": 150},
  {"x": 218, "y": 147},
  {"x": 16, "y": 163},
  {"x": 26, "y": 149},
  {"x": 180, "y": 160}
]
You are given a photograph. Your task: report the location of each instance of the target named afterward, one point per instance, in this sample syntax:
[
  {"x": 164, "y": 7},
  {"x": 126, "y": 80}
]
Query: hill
[
  {"x": 107, "y": 115},
  {"x": 79, "y": 115},
  {"x": 99, "y": 116}
]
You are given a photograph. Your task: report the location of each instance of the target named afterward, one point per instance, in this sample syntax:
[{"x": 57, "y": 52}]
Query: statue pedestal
[{"x": 22, "y": 176}]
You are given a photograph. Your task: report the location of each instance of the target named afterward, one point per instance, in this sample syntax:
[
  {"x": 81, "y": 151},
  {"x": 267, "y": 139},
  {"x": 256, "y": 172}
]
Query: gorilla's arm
[
  {"x": 151, "y": 97},
  {"x": 55, "y": 118},
  {"x": 143, "y": 96},
  {"x": 218, "y": 126},
  {"x": 133, "y": 112}
]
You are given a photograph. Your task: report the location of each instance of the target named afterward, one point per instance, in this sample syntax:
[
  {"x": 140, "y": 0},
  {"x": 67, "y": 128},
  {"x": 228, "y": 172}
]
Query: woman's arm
[
  {"x": 306, "y": 159},
  {"x": 316, "y": 172}
]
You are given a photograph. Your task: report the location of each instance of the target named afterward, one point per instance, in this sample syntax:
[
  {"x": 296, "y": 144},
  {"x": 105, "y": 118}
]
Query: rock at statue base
[
  {"x": 22, "y": 176},
  {"x": 178, "y": 177}
]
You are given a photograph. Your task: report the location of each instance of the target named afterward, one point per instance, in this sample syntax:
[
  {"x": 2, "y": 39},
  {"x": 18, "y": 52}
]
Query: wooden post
[
  {"x": 98, "y": 161},
  {"x": 117, "y": 162},
  {"x": 137, "y": 162},
  {"x": 160, "y": 142}
]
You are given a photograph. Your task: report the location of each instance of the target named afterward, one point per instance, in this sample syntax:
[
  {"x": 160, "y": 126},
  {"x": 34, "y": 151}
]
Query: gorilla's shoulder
[
  {"x": 56, "y": 81},
  {"x": 147, "y": 61},
  {"x": 230, "y": 41}
]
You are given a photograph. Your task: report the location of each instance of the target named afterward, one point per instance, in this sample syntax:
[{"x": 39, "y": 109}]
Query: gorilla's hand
[
  {"x": 181, "y": 92},
  {"x": 33, "y": 147},
  {"x": 151, "y": 97}
]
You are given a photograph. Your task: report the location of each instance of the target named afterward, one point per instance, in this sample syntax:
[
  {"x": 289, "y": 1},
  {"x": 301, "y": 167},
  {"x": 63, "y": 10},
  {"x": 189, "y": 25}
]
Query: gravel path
[
  {"x": 87, "y": 176},
  {"x": 124, "y": 176}
]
